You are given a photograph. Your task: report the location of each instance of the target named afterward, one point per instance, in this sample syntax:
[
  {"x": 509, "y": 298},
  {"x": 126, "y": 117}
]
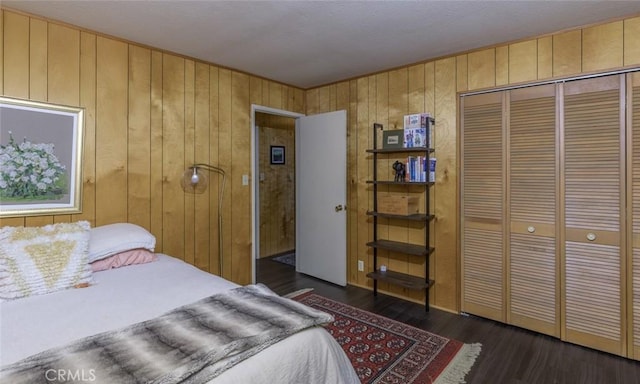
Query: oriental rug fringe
[{"x": 387, "y": 351}]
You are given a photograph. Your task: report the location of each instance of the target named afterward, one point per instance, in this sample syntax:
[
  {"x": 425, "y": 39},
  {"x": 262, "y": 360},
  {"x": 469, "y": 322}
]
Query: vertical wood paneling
[
  {"x": 102, "y": 87},
  {"x": 38, "y": 70},
  {"x": 364, "y": 173},
  {"x": 241, "y": 165},
  {"x": 545, "y": 57},
  {"x": 216, "y": 180},
  {"x": 430, "y": 106},
  {"x": 63, "y": 66},
  {"x": 523, "y": 63},
  {"x": 173, "y": 134},
  {"x": 38, "y": 76},
  {"x": 202, "y": 209},
  {"x": 16, "y": 55},
  {"x": 446, "y": 292},
  {"x": 139, "y": 131},
  {"x": 298, "y": 100},
  {"x": 416, "y": 97},
  {"x": 189, "y": 154},
  {"x": 63, "y": 63},
  {"x": 312, "y": 97},
  {"x": 15, "y": 68},
  {"x": 111, "y": 131},
  {"x": 397, "y": 102},
  {"x": 416, "y": 89},
  {"x": 359, "y": 202},
  {"x": 224, "y": 160},
  {"x": 378, "y": 100},
  {"x": 602, "y": 47},
  {"x": 430, "y": 89},
  {"x": 631, "y": 41},
  {"x": 567, "y": 53},
  {"x": 255, "y": 92},
  {"x": 155, "y": 173},
  {"x": 462, "y": 73},
  {"x": 502, "y": 65},
  {"x": 482, "y": 69},
  {"x": 275, "y": 96},
  {"x": 326, "y": 99},
  {"x": 88, "y": 102}
]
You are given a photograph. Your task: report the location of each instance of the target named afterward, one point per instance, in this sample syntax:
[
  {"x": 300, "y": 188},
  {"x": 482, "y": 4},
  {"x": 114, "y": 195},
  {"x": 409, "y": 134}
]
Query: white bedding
[{"x": 131, "y": 294}]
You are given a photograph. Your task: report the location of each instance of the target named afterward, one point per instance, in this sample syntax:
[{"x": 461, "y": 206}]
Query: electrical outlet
[{"x": 360, "y": 265}]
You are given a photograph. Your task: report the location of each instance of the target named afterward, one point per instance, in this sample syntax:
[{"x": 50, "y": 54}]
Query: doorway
[
  {"x": 318, "y": 219},
  {"x": 273, "y": 187},
  {"x": 276, "y": 187}
]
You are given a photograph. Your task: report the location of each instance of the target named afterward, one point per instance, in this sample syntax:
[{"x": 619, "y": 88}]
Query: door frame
[{"x": 255, "y": 185}]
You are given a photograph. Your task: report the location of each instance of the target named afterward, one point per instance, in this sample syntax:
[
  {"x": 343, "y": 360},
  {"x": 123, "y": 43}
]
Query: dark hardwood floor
[{"x": 509, "y": 354}]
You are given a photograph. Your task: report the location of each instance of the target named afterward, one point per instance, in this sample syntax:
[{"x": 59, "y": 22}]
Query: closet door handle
[
  {"x": 531, "y": 229},
  {"x": 591, "y": 236}
]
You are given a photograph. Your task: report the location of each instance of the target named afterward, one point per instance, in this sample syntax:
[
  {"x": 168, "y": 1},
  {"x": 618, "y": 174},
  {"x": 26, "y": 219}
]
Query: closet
[{"x": 550, "y": 209}]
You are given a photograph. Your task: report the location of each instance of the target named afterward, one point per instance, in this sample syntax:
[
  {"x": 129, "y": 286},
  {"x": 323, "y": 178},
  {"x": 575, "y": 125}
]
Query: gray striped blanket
[{"x": 190, "y": 344}]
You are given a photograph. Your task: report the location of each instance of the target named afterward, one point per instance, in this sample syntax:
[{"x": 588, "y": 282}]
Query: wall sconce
[{"x": 195, "y": 180}]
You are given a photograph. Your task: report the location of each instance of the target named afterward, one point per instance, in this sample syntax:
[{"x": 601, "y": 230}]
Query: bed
[{"x": 131, "y": 294}]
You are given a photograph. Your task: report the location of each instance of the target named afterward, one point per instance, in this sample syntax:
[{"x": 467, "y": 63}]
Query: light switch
[{"x": 245, "y": 179}]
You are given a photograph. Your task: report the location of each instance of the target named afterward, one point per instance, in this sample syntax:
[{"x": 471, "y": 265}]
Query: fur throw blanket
[{"x": 190, "y": 344}]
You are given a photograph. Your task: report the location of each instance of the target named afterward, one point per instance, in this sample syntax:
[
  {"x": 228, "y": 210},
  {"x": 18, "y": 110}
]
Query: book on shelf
[
  {"x": 418, "y": 130},
  {"x": 420, "y": 169}
]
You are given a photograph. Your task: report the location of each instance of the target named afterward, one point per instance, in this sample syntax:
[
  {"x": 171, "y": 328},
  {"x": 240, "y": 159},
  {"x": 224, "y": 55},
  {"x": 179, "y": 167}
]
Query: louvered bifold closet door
[
  {"x": 593, "y": 217},
  {"x": 533, "y": 289},
  {"x": 634, "y": 278},
  {"x": 482, "y": 192}
]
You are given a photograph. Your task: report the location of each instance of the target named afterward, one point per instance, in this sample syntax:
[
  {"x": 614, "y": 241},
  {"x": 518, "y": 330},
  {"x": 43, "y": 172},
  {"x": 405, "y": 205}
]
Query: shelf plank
[
  {"x": 414, "y": 217},
  {"x": 391, "y": 182},
  {"x": 400, "y": 150},
  {"x": 401, "y": 279},
  {"x": 396, "y": 246}
]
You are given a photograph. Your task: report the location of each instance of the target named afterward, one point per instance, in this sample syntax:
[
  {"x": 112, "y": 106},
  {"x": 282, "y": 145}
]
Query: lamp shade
[{"x": 194, "y": 180}]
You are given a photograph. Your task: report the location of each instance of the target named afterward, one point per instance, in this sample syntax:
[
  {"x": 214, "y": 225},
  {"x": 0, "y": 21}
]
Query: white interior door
[{"x": 321, "y": 194}]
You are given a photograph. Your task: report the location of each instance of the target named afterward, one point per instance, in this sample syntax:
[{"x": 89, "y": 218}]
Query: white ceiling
[{"x": 312, "y": 43}]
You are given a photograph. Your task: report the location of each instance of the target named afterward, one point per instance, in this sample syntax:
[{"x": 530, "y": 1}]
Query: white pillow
[
  {"x": 40, "y": 260},
  {"x": 107, "y": 240}
]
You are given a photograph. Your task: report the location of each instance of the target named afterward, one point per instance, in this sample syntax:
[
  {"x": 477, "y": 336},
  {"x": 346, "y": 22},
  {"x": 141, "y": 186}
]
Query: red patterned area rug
[{"x": 387, "y": 351}]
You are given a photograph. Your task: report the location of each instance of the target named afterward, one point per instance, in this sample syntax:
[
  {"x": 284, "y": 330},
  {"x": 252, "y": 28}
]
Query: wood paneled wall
[
  {"x": 433, "y": 86},
  {"x": 277, "y": 184},
  {"x": 149, "y": 114}
]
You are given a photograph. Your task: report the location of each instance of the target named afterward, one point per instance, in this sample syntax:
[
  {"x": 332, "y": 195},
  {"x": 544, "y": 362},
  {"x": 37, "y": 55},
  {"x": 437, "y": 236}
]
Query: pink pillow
[{"x": 133, "y": 256}]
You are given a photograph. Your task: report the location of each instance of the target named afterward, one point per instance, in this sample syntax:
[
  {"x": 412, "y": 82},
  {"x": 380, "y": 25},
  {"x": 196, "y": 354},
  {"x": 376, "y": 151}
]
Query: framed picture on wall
[
  {"x": 277, "y": 154},
  {"x": 40, "y": 158}
]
